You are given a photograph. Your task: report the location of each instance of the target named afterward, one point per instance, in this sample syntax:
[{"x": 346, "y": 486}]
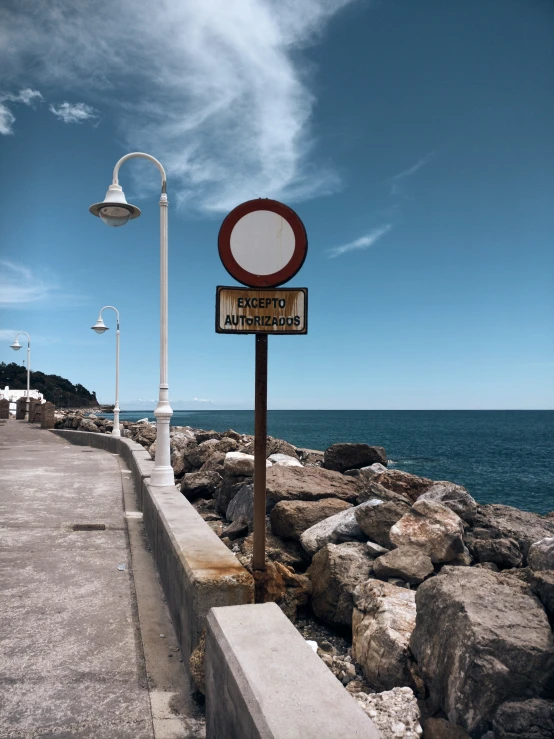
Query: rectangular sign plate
[{"x": 245, "y": 310}]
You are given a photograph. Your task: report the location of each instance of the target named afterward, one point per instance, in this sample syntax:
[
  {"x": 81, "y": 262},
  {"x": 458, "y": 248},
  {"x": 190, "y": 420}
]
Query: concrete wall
[
  {"x": 264, "y": 682},
  {"x": 196, "y": 569}
]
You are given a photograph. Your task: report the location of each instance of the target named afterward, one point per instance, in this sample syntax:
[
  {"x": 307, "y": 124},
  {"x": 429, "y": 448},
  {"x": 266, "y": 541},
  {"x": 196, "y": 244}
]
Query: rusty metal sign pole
[{"x": 260, "y": 445}]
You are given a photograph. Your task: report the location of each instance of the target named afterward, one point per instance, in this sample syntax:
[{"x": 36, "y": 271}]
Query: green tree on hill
[{"x": 56, "y": 389}]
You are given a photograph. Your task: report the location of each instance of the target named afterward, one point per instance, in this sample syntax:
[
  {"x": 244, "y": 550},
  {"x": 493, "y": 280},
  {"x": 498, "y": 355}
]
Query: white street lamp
[
  {"x": 16, "y": 346},
  {"x": 100, "y": 328},
  {"x": 116, "y": 211}
]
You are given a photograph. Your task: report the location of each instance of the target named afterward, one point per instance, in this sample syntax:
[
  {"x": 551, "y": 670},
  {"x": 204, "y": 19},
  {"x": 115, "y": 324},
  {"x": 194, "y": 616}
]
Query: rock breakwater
[{"x": 441, "y": 608}]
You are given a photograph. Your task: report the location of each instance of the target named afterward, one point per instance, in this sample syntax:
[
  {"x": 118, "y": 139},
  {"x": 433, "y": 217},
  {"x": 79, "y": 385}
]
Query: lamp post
[
  {"x": 16, "y": 346},
  {"x": 116, "y": 211},
  {"x": 100, "y": 327}
]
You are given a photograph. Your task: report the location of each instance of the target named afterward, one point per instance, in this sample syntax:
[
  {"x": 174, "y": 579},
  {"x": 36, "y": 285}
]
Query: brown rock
[
  {"x": 403, "y": 483},
  {"x": 335, "y": 572},
  {"x": 504, "y": 553},
  {"x": 341, "y": 457},
  {"x": 290, "y": 518},
  {"x": 408, "y": 563},
  {"x": 280, "y": 584},
  {"x": 308, "y": 483},
  {"x": 530, "y": 719},
  {"x": 377, "y": 520},
  {"x": 199, "y": 484},
  {"x": 523, "y": 526},
  {"x": 439, "y": 728}
]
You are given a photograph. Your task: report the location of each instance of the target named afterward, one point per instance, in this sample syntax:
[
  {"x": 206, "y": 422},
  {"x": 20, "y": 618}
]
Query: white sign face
[{"x": 262, "y": 242}]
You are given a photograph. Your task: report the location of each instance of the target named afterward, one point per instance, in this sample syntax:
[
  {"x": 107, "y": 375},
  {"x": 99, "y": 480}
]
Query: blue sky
[{"x": 415, "y": 140}]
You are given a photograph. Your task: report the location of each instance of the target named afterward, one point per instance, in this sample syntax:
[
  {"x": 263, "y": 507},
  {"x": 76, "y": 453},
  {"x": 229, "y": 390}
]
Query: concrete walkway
[{"x": 86, "y": 645}]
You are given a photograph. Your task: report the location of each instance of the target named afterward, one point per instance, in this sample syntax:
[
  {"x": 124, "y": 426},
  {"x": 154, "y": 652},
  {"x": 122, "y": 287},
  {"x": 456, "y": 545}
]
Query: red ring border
[{"x": 249, "y": 278}]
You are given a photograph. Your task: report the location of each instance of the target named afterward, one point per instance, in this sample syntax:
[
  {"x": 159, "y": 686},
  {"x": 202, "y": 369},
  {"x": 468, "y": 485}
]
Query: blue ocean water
[{"x": 499, "y": 456}]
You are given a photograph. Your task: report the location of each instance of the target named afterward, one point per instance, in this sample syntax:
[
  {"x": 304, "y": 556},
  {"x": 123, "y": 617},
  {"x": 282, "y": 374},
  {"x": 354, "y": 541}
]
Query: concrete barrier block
[
  {"x": 264, "y": 682},
  {"x": 197, "y": 570}
]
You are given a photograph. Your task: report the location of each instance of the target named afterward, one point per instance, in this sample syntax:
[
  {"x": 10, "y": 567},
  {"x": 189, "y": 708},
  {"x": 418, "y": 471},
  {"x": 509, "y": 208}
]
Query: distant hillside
[{"x": 56, "y": 389}]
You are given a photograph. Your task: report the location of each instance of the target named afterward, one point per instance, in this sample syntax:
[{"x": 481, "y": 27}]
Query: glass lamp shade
[
  {"x": 115, "y": 215},
  {"x": 16, "y": 346},
  {"x": 100, "y": 326}
]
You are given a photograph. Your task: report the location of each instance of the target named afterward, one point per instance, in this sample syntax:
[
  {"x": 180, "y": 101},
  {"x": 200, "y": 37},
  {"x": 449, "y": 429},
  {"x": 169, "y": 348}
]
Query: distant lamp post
[
  {"x": 100, "y": 328},
  {"x": 116, "y": 211},
  {"x": 16, "y": 346}
]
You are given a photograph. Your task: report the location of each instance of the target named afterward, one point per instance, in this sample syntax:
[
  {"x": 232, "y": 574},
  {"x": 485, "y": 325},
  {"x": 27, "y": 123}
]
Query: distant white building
[{"x": 14, "y": 395}]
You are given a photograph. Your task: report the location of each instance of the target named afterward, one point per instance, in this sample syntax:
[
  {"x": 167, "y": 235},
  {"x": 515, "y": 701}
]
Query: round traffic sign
[{"x": 262, "y": 243}]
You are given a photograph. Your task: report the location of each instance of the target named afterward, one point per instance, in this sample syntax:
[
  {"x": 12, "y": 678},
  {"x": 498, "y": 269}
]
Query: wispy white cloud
[
  {"x": 364, "y": 242},
  {"x": 7, "y": 334},
  {"x": 21, "y": 286},
  {"x": 397, "y": 180},
  {"x": 215, "y": 89},
  {"x": 25, "y": 96},
  {"x": 74, "y": 112}
]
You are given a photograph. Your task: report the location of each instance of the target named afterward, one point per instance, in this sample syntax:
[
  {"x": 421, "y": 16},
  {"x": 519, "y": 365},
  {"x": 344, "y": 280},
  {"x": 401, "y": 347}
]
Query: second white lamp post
[
  {"x": 16, "y": 346},
  {"x": 100, "y": 327},
  {"x": 116, "y": 211}
]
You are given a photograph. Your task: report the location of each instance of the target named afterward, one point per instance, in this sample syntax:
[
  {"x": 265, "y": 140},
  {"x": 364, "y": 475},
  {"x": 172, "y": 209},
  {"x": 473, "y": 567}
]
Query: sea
[{"x": 499, "y": 456}]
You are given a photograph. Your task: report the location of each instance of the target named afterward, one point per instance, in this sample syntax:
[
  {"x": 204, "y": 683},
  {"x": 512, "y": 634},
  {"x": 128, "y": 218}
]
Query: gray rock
[
  {"x": 376, "y": 550},
  {"x": 488, "y": 566},
  {"x": 372, "y": 490},
  {"x": 310, "y": 457},
  {"x": 542, "y": 584},
  {"x": 523, "y": 526},
  {"x": 382, "y": 623},
  {"x": 308, "y": 483},
  {"x": 377, "y": 518},
  {"x": 199, "y": 484},
  {"x": 454, "y": 497},
  {"x": 541, "y": 554},
  {"x": 530, "y": 719},
  {"x": 285, "y": 460},
  {"x": 290, "y": 518},
  {"x": 202, "y": 436},
  {"x": 231, "y": 434},
  {"x": 341, "y": 457},
  {"x": 505, "y": 553},
  {"x": 335, "y": 572},
  {"x": 342, "y": 526},
  {"x": 227, "y": 490},
  {"x": 393, "y": 709},
  {"x": 195, "y": 455},
  {"x": 242, "y": 505},
  {"x": 178, "y": 463},
  {"x": 410, "y": 564},
  {"x": 480, "y": 639},
  {"x": 236, "y": 530},
  {"x": 215, "y": 463},
  {"x": 433, "y": 528}
]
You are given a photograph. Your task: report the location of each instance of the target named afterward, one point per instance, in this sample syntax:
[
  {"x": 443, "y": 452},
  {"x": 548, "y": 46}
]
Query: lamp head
[
  {"x": 16, "y": 346},
  {"x": 100, "y": 326},
  {"x": 115, "y": 210}
]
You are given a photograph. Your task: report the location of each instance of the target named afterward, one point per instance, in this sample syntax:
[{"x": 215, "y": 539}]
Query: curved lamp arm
[
  {"x": 139, "y": 154},
  {"x": 26, "y": 334},
  {"x": 112, "y": 307}
]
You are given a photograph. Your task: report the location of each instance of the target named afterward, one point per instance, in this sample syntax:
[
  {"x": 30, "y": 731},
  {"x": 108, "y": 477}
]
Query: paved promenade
[{"x": 86, "y": 645}]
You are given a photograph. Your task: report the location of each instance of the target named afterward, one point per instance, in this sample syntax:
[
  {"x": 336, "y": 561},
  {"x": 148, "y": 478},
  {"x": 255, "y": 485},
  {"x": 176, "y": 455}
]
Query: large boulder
[
  {"x": 199, "y": 484},
  {"x": 239, "y": 464},
  {"x": 440, "y": 728},
  {"x": 372, "y": 489},
  {"x": 285, "y": 460},
  {"x": 273, "y": 446},
  {"x": 242, "y": 505},
  {"x": 341, "y": 457},
  {"x": 87, "y": 425},
  {"x": 530, "y": 719},
  {"x": 541, "y": 554},
  {"x": 505, "y": 553},
  {"x": 454, "y": 497},
  {"x": 377, "y": 518},
  {"x": 227, "y": 490},
  {"x": 542, "y": 584},
  {"x": 407, "y": 563},
  {"x": 382, "y": 623},
  {"x": 431, "y": 527},
  {"x": 411, "y": 486},
  {"x": 523, "y": 526},
  {"x": 290, "y": 518},
  {"x": 285, "y": 551},
  {"x": 335, "y": 572},
  {"x": 308, "y": 483},
  {"x": 480, "y": 639},
  {"x": 195, "y": 455},
  {"x": 215, "y": 463},
  {"x": 342, "y": 526}
]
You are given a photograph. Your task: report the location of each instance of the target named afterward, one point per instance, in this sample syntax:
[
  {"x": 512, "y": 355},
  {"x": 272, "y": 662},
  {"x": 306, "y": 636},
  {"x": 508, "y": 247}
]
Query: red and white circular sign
[{"x": 262, "y": 243}]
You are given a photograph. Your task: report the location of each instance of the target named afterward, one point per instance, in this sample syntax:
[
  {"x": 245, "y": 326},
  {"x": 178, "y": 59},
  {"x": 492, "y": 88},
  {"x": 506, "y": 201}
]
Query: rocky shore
[{"x": 435, "y": 612}]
